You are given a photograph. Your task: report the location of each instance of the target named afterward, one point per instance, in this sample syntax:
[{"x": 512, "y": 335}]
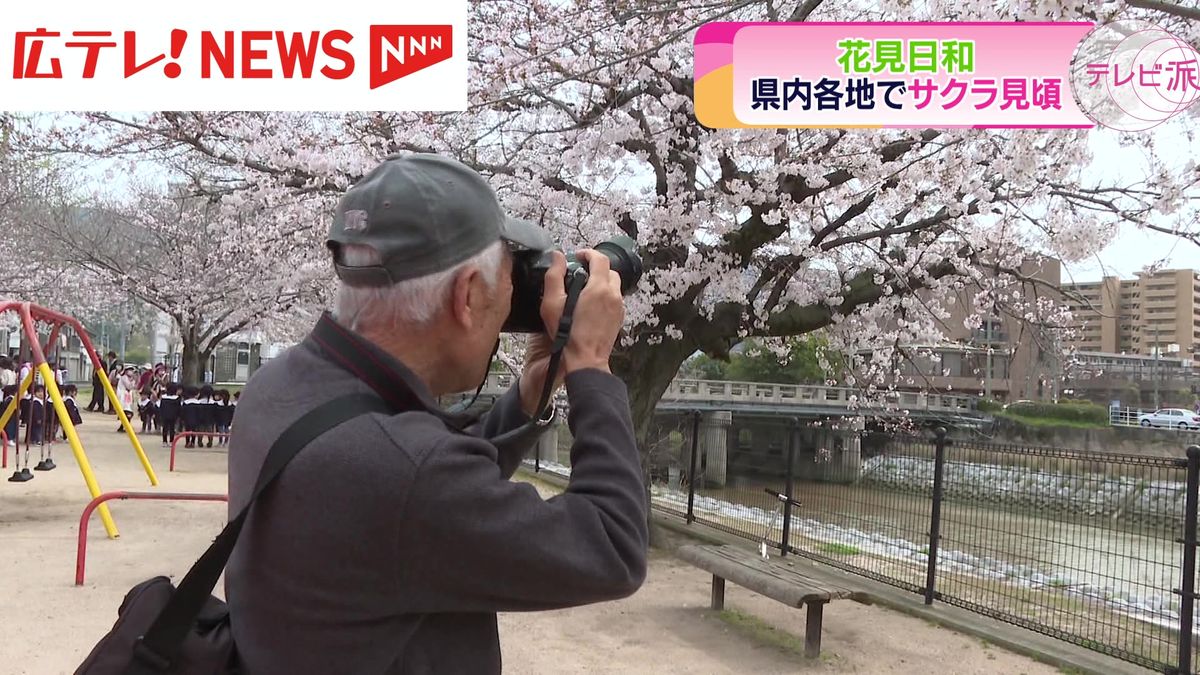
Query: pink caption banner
[{"x": 887, "y": 75}]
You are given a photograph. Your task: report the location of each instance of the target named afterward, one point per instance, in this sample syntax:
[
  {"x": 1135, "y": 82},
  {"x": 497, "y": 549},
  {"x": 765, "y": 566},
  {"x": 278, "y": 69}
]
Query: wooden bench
[{"x": 779, "y": 582}]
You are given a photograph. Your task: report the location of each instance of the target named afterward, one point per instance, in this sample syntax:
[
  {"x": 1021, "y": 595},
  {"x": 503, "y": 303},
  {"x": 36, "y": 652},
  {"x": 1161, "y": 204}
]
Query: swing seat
[
  {"x": 45, "y": 465},
  {"x": 21, "y": 476}
]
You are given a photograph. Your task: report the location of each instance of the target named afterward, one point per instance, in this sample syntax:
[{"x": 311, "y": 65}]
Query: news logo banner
[
  {"x": 887, "y": 75},
  {"x": 225, "y": 55}
]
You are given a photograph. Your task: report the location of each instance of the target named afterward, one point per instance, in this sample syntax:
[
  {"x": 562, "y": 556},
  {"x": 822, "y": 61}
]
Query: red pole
[
  {"x": 81, "y": 548},
  {"x": 173, "y": 444}
]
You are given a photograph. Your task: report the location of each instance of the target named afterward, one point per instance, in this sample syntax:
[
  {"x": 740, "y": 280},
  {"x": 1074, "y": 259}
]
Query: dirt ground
[{"x": 47, "y": 625}]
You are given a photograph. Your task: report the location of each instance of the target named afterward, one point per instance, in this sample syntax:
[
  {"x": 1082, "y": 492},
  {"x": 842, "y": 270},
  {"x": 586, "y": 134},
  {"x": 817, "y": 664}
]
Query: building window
[{"x": 952, "y": 365}]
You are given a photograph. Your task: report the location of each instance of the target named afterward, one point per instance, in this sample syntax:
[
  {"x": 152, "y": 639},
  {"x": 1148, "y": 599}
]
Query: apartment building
[
  {"x": 1155, "y": 313},
  {"x": 1004, "y": 358}
]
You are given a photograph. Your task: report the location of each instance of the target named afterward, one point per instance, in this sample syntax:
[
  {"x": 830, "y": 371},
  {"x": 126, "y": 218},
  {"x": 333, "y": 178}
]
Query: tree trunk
[
  {"x": 192, "y": 365},
  {"x": 194, "y": 358},
  {"x": 647, "y": 371}
]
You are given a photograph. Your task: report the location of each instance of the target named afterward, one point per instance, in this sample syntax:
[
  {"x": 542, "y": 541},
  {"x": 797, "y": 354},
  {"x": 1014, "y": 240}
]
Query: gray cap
[{"x": 423, "y": 213}]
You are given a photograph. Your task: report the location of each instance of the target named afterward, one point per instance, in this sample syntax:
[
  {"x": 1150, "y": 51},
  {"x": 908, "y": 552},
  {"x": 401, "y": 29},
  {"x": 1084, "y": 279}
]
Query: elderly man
[{"x": 389, "y": 544}]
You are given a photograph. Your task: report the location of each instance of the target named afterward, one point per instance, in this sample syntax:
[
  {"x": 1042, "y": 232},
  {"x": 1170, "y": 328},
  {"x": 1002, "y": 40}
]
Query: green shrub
[
  {"x": 988, "y": 405},
  {"x": 1071, "y": 411}
]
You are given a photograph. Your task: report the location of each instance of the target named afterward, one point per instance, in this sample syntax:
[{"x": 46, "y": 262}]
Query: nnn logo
[{"x": 397, "y": 51}]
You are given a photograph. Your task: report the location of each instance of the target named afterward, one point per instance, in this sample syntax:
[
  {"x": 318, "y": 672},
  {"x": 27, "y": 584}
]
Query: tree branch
[{"x": 1192, "y": 13}]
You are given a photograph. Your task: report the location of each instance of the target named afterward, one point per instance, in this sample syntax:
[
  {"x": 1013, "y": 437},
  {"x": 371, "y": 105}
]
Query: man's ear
[{"x": 466, "y": 299}]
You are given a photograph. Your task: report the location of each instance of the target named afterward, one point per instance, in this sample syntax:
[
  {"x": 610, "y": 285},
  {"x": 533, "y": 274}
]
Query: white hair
[{"x": 413, "y": 302}]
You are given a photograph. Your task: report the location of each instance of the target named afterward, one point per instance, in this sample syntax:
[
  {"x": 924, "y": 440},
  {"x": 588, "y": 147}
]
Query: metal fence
[{"x": 1092, "y": 548}]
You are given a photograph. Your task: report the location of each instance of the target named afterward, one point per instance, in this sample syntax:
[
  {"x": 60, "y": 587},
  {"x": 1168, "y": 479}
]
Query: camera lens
[{"x": 621, "y": 252}]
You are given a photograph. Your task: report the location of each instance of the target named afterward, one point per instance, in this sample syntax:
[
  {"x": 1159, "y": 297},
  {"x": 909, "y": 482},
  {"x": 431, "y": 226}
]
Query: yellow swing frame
[{"x": 29, "y": 314}]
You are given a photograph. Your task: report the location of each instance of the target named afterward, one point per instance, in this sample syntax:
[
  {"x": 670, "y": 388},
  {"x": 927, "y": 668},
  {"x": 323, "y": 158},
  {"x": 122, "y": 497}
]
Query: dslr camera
[{"x": 529, "y": 275}]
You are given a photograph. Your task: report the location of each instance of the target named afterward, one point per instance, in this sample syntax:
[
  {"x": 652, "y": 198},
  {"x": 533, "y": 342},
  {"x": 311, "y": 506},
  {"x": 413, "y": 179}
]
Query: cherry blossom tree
[
  {"x": 582, "y": 118},
  {"x": 215, "y": 267},
  {"x": 33, "y": 190}
]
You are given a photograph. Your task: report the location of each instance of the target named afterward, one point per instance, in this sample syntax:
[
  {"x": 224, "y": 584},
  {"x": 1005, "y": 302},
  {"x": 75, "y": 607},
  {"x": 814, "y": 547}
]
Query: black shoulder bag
[{"x": 186, "y": 631}]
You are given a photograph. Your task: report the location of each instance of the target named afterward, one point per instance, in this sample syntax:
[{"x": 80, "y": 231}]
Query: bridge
[
  {"x": 744, "y": 427},
  {"x": 790, "y": 400}
]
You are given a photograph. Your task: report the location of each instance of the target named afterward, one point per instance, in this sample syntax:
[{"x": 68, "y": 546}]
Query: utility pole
[
  {"x": 1154, "y": 374},
  {"x": 987, "y": 377}
]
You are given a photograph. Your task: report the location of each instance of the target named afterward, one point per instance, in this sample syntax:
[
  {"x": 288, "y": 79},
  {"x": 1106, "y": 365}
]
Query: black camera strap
[
  {"x": 541, "y": 417},
  {"x": 574, "y": 287},
  {"x": 542, "y": 414}
]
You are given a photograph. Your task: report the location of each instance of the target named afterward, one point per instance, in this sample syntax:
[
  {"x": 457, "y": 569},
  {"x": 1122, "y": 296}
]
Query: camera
[{"x": 529, "y": 275}]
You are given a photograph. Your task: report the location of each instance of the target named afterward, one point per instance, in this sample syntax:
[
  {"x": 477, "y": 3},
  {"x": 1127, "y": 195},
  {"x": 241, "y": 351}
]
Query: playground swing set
[
  {"x": 30, "y": 315},
  {"x": 45, "y": 426}
]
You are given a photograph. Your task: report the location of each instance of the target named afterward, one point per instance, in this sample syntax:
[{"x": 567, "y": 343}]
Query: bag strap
[{"x": 159, "y": 647}]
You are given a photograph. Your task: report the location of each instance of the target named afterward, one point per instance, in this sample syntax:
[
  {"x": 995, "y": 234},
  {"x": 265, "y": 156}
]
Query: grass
[
  {"x": 838, "y": 549},
  {"x": 1041, "y": 422},
  {"x": 760, "y": 631}
]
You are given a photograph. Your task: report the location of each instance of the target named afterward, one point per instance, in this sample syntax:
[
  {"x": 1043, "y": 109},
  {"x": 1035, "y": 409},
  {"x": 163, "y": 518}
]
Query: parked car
[{"x": 1170, "y": 417}]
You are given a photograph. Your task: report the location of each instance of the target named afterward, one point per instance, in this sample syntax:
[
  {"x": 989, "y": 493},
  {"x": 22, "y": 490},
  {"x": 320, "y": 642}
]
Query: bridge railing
[
  {"x": 793, "y": 394},
  {"x": 683, "y": 389}
]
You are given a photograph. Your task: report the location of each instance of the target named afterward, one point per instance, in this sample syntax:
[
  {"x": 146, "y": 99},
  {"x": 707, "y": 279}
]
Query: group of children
[
  {"x": 37, "y": 414},
  {"x": 180, "y": 409},
  {"x": 176, "y": 410}
]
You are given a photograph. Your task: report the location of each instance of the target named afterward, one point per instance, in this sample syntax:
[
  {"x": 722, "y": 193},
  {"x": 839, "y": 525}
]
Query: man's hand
[{"x": 599, "y": 315}]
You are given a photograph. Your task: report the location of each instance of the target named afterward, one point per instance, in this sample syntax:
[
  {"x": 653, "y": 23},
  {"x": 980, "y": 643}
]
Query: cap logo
[{"x": 354, "y": 221}]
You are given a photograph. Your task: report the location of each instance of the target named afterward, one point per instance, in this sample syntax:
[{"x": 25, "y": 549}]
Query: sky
[{"x": 1134, "y": 248}]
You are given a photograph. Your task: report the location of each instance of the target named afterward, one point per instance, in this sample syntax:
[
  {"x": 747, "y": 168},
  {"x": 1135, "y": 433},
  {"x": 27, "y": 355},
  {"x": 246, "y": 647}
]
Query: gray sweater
[{"x": 389, "y": 544}]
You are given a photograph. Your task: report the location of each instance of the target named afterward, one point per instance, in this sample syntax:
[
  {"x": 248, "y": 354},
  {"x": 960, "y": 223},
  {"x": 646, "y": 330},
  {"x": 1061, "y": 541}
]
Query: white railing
[
  {"x": 719, "y": 391},
  {"x": 1125, "y": 417}
]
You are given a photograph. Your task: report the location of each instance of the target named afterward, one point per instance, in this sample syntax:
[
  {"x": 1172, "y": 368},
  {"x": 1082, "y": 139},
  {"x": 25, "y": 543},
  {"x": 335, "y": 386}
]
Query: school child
[
  {"x": 208, "y": 418},
  {"x": 127, "y": 394},
  {"x": 233, "y": 408},
  {"x": 70, "y": 391},
  {"x": 191, "y": 414},
  {"x": 37, "y": 414},
  {"x": 12, "y": 428},
  {"x": 24, "y": 407},
  {"x": 169, "y": 412},
  {"x": 224, "y": 413},
  {"x": 147, "y": 410}
]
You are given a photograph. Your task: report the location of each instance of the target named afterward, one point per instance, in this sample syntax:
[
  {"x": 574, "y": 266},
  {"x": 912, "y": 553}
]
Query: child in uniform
[
  {"x": 37, "y": 414},
  {"x": 168, "y": 413},
  {"x": 69, "y": 392},
  {"x": 147, "y": 410},
  {"x": 208, "y": 419},
  {"x": 190, "y": 414},
  {"x": 224, "y": 413},
  {"x": 12, "y": 428}
]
